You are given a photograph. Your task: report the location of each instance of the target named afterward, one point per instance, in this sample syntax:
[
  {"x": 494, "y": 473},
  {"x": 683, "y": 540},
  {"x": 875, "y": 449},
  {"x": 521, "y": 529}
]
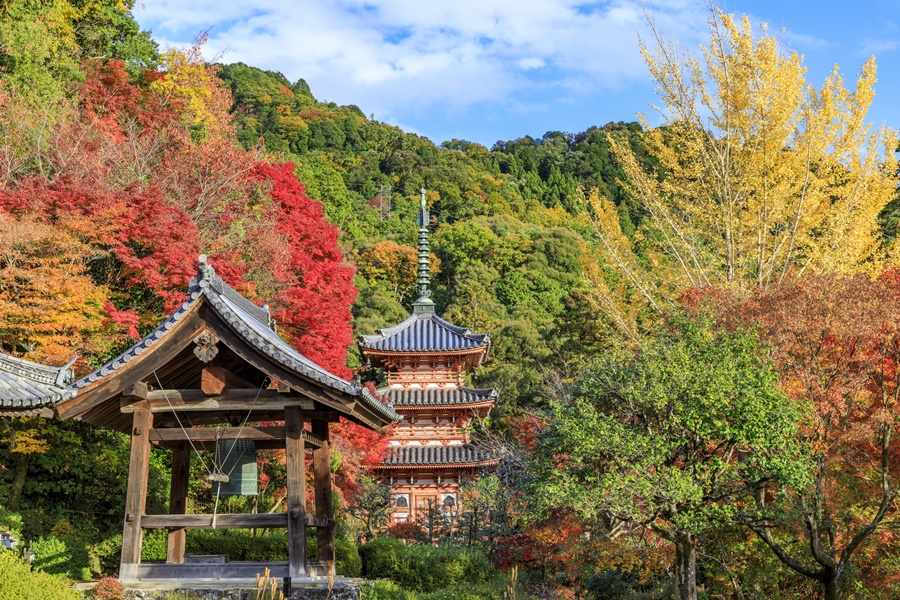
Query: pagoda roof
[
  {"x": 436, "y": 396},
  {"x": 424, "y": 331},
  {"x": 435, "y": 455},
  {"x": 248, "y": 330},
  {"x": 28, "y": 388}
]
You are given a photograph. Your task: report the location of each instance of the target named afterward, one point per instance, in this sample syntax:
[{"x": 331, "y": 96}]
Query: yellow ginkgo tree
[{"x": 761, "y": 176}]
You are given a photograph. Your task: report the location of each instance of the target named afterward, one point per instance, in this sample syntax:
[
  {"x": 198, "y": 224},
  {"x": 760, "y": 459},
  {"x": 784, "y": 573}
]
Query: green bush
[
  {"x": 424, "y": 568},
  {"x": 155, "y": 545},
  {"x": 389, "y": 590},
  {"x": 66, "y": 557},
  {"x": 105, "y": 555},
  {"x": 492, "y": 590},
  {"x": 10, "y": 521},
  {"x": 384, "y": 590},
  {"x": 238, "y": 545},
  {"x": 21, "y": 583},
  {"x": 608, "y": 585},
  {"x": 347, "y": 561}
]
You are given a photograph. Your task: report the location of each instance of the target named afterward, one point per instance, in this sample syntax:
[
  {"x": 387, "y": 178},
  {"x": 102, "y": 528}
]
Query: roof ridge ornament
[{"x": 423, "y": 304}]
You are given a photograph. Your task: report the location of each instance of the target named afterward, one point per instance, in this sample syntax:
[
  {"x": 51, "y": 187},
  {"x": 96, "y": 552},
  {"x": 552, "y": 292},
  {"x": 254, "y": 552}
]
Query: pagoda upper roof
[
  {"x": 27, "y": 388},
  {"x": 424, "y": 331},
  {"x": 252, "y": 325},
  {"x": 435, "y": 396},
  {"x": 438, "y": 455}
]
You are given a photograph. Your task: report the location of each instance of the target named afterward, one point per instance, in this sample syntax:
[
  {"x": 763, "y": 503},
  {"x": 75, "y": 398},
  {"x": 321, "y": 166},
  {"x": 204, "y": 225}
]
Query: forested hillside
[{"x": 515, "y": 251}]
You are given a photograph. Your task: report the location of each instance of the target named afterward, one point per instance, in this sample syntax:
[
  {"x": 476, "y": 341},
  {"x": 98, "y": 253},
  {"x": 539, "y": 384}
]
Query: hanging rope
[{"x": 183, "y": 430}]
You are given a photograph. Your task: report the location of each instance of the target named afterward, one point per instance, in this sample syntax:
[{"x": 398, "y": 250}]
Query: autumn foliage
[
  {"x": 103, "y": 217},
  {"x": 835, "y": 342}
]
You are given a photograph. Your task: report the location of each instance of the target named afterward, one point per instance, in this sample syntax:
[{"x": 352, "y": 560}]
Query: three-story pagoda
[{"x": 424, "y": 359}]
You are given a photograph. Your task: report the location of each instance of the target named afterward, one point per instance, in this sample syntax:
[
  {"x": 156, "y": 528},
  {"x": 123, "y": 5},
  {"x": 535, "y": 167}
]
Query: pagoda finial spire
[{"x": 423, "y": 303}]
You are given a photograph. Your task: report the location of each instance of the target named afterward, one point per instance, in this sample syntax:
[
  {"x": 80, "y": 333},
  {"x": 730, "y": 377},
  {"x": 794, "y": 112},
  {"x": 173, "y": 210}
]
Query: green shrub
[
  {"x": 65, "y": 557},
  {"x": 424, "y": 568},
  {"x": 239, "y": 545},
  {"x": 347, "y": 561},
  {"x": 379, "y": 557},
  {"x": 21, "y": 583},
  {"x": 10, "y": 521},
  {"x": 608, "y": 585},
  {"x": 491, "y": 590},
  {"x": 389, "y": 590},
  {"x": 155, "y": 545},
  {"x": 106, "y": 555},
  {"x": 384, "y": 590}
]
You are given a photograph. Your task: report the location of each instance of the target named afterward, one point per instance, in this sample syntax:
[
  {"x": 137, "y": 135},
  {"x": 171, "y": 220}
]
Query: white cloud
[
  {"x": 530, "y": 63},
  {"x": 393, "y": 56},
  {"x": 871, "y": 46}
]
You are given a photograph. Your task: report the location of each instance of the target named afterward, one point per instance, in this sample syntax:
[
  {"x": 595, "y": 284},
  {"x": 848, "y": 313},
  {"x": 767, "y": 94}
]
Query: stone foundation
[{"x": 342, "y": 590}]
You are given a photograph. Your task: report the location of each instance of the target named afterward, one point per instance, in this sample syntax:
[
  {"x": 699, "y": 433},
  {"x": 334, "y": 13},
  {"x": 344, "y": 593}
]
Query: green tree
[{"x": 671, "y": 438}]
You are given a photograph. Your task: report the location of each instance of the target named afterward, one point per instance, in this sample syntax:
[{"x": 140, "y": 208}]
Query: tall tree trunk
[
  {"x": 18, "y": 482},
  {"x": 685, "y": 567}
]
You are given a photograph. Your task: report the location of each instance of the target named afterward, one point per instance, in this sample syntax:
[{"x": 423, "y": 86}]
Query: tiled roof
[
  {"x": 424, "y": 332},
  {"x": 437, "y": 455},
  {"x": 437, "y": 396},
  {"x": 26, "y": 387},
  {"x": 255, "y": 326}
]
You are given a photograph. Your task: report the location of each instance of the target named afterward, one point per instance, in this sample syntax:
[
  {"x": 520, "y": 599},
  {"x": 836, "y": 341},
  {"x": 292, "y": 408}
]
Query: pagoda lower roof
[
  {"x": 435, "y": 396},
  {"x": 424, "y": 331},
  {"x": 438, "y": 455},
  {"x": 27, "y": 388}
]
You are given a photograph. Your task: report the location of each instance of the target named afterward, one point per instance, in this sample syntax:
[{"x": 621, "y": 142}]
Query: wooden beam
[
  {"x": 320, "y": 521},
  {"x": 136, "y": 493},
  {"x": 164, "y": 401},
  {"x": 215, "y": 380},
  {"x": 324, "y": 503},
  {"x": 181, "y": 471},
  {"x": 223, "y": 521},
  {"x": 211, "y": 434},
  {"x": 295, "y": 463}
]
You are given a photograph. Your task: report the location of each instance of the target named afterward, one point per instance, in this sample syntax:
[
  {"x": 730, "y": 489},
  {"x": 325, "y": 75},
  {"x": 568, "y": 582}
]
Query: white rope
[{"x": 183, "y": 430}]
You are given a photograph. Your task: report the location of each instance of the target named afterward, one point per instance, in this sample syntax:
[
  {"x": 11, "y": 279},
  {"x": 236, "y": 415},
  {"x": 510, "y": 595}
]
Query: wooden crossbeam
[
  {"x": 242, "y": 399},
  {"x": 205, "y": 435},
  {"x": 223, "y": 521}
]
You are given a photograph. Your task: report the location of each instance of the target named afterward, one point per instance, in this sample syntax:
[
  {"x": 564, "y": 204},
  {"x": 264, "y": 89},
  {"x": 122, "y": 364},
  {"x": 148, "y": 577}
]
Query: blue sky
[{"x": 489, "y": 70}]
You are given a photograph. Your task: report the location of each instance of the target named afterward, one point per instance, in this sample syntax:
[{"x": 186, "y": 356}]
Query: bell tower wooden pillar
[
  {"x": 136, "y": 494},
  {"x": 296, "y": 491},
  {"x": 181, "y": 469},
  {"x": 324, "y": 502}
]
